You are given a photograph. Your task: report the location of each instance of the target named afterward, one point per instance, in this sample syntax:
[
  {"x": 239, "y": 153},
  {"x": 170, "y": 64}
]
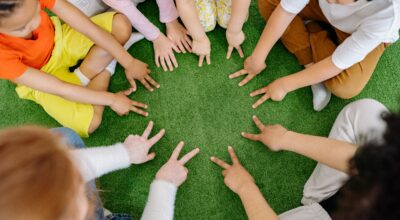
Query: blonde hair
[{"x": 38, "y": 178}]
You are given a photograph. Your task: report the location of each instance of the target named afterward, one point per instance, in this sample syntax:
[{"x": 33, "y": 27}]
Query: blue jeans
[{"x": 76, "y": 142}]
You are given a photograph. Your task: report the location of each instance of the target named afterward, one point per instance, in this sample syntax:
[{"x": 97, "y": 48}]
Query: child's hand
[
  {"x": 174, "y": 171},
  {"x": 137, "y": 70},
  {"x": 202, "y": 48},
  {"x": 252, "y": 67},
  {"x": 122, "y": 105},
  {"x": 275, "y": 91},
  {"x": 272, "y": 136},
  {"x": 179, "y": 36},
  {"x": 164, "y": 54},
  {"x": 235, "y": 39},
  {"x": 236, "y": 176},
  {"x": 138, "y": 146}
]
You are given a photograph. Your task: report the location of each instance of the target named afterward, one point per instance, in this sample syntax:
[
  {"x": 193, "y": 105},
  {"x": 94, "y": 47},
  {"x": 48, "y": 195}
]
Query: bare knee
[
  {"x": 96, "y": 121},
  {"x": 121, "y": 28}
]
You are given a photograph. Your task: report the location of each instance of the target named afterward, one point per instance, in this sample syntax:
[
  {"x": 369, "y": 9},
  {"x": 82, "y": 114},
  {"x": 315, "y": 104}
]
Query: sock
[
  {"x": 321, "y": 96},
  {"x": 84, "y": 80},
  {"x": 135, "y": 37}
]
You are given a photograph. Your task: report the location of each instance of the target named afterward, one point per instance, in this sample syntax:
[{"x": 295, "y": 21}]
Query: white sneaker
[{"x": 321, "y": 96}]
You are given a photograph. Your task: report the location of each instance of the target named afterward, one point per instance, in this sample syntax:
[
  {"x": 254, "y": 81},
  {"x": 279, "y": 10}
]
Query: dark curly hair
[{"x": 373, "y": 190}]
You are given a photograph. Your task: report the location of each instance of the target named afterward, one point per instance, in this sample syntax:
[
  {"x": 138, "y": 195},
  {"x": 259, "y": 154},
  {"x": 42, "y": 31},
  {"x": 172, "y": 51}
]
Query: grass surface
[{"x": 204, "y": 108}]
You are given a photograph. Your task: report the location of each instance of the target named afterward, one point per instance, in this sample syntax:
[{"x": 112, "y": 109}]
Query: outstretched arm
[
  {"x": 239, "y": 180},
  {"x": 331, "y": 152}
]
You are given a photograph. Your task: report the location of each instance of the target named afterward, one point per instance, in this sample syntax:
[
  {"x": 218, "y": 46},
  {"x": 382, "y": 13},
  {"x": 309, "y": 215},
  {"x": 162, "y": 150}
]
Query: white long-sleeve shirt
[
  {"x": 97, "y": 161},
  {"x": 370, "y": 23}
]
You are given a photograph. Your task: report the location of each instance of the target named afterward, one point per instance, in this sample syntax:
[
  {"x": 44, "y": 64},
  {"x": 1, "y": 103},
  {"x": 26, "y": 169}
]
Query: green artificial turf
[{"x": 206, "y": 109}]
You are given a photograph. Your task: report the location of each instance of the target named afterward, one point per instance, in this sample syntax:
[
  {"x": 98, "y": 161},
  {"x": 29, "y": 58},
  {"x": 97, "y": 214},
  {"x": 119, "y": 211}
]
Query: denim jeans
[{"x": 76, "y": 142}]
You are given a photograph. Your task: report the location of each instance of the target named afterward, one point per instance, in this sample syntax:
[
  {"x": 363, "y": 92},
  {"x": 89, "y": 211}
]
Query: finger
[
  {"x": 258, "y": 92},
  {"x": 201, "y": 60},
  {"x": 181, "y": 47},
  {"x": 128, "y": 92},
  {"x": 186, "y": 170},
  {"x": 258, "y": 123},
  {"x": 169, "y": 63},
  {"x": 240, "y": 51},
  {"x": 188, "y": 44},
  {"x": 157, "y": 57},
  {"x": 220, "y": 163},
  {"x": 176, "y": 48},
  {"x": 229, "y": 53},
  {"x": 246, "y": 79},
  {"x": 139, "y": 104},
  {"x": 147, "y": 85},
  {"x": 208, "y": 58},
  {"x": 238, "y": 73},
  {"x": 152, "y": 81},
  {"x": 148, "y": 129},
  {"x": 253, "y": 137},
  {"x": 139, "y": 111},
  {"x": 151, "y": 156},
  {"x": 189, "y": 156},
  {"x": 164, "y": 66},
  {"x": 234, "y": 158},
  {"x": 172, "y": 57},
  {"x": 156, "y": 137},
  {"x": 177, "y": 151},
  {"x": 261, "y": 100},
  {"x": 133, "y": 84},
  {"x": 224, "y": 172}
]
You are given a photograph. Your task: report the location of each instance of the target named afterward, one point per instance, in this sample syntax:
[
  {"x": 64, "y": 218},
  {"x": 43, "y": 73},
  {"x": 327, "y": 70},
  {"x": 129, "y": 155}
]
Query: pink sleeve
[
  {"x": 167, "y": 10},
  {"x": 137, "y": 19}
]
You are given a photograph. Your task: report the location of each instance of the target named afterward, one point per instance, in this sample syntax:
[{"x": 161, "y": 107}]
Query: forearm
[
  {"x": 77, "y": 20},
  {"x": 188, "y": 13},
  {"x": 330, "y": 152},
  {"x": 240, "y": 9},
  {"x": 314, "y": 74},
  {"x": 276, "y": 26},
  {"x": 168, "y": 11},
  {"x": 137, "y": 19},
  {"x": 257, "y": 208},
  {"x": 97, "y": 161},
  {"x": 161, "y": 202}
]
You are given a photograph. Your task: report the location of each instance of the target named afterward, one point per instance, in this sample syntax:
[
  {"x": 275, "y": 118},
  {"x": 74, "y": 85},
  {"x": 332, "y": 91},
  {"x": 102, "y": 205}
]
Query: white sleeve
[
  {"x": 97, "y": 161},
  {"x": 294, "y": 6},
  {"x": 161, "y": 202},
  {"x": 354, "y": 49}
]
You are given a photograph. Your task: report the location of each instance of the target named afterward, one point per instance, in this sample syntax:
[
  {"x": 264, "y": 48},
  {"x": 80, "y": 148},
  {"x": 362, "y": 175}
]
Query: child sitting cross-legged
[{"x": 37, "y": 52}]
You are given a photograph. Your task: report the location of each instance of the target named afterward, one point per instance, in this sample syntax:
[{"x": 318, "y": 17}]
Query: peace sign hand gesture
[
  {"x": 138, "y": 147},
  {"x": 275, "y": 91},
  {"x": 236, "y": 176},
  {"x": 252, "y": 67},
  {"x": 273, "y": 136},
  {"x": 174, "y": 171}
]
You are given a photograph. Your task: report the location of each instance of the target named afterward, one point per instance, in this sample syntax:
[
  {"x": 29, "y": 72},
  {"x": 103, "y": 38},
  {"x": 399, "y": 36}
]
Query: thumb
[
  {"x": 133, "y": 85},
  {"x": 128, "y": 92},
  {"x": 151, "y": 156}
]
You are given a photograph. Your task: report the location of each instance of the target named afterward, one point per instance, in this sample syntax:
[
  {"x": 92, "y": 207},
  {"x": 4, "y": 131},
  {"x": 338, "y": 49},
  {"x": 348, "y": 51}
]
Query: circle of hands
[
  {"x": 174, "y": 170},
  {"x": 178, "y": 40}
]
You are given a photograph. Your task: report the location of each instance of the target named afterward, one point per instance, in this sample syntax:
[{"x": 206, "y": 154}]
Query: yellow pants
[
  {"x": 212, "y": 11},
  {"x": 69, "y": 48}
]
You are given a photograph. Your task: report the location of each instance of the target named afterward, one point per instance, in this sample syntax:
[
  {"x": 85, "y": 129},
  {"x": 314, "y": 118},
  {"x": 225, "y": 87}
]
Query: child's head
[
  {"x": 19, "y": 17},
  {"x": 38, "y": 178},
  {"x": 373, "y": 189}
]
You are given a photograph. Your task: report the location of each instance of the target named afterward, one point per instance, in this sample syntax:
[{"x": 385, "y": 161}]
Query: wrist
[
  {"x": 110, "y": 99},
  {"x": 288, "y": 138},
  {"x": 245, "y": 187}
]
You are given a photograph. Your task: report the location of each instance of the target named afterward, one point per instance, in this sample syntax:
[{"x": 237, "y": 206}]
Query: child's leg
[
  {"x": 359, "y": 123},
  {"x": 296, "y": 37},
  {"x": 352, "y": 81},
  {"x": 97, "y": 59},
  {"x": 207, "y": 12}
]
